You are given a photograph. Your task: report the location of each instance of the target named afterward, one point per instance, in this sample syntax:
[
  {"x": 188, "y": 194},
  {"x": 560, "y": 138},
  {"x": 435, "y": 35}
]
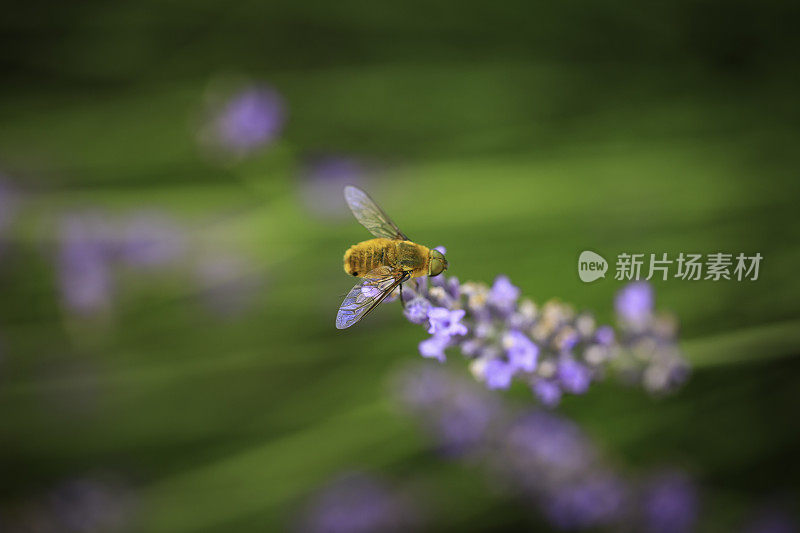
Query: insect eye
[{"x": 437, "y": 266}]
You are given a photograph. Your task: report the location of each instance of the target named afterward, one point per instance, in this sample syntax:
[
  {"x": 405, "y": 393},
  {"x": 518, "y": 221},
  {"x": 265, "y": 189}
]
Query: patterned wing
[
  {"x": 367, "y": 294},
  {"x": 370, "y": 215}
]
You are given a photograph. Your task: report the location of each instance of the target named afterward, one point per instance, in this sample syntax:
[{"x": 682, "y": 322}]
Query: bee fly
[{"x": 383, "y": 263}]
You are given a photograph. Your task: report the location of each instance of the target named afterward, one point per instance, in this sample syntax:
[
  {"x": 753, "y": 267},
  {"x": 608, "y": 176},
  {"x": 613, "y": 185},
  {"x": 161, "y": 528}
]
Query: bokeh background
[{"x": 173, "y": 226}]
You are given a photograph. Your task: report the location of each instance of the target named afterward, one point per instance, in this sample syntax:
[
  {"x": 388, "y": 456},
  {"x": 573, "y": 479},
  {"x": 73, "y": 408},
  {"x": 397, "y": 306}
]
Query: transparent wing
[
  {"x": 370, "y": 215},
  {"x": 367, "y": 294}
]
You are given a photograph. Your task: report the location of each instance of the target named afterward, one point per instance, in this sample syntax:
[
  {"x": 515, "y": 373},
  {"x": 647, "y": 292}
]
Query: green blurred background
[{"x": 515, "y": 134}]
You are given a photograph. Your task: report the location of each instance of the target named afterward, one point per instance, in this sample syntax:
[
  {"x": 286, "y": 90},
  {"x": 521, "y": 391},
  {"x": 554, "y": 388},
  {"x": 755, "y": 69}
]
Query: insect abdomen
[{"x": 364, "y": 257}]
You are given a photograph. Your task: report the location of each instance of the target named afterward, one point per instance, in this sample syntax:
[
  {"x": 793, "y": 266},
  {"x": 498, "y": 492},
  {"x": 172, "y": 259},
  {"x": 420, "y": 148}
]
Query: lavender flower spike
[
  {"x": 670, "y": 503},
  {"x": 359, "y": 503},
  {"x": 552, "y": 348},
  {"x": 542, "y": 457},
  {"x": 84, "y": 255}
]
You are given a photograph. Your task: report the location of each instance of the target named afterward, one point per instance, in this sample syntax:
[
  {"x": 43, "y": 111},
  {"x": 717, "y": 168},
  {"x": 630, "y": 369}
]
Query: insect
[{"x": 383, "y": 263}]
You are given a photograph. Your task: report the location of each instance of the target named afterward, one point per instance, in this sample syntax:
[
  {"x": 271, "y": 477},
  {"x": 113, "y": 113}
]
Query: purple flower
[
  {"x": 574, "y": 377},
  {"x": 422, "y": 387},
  {"x": 92, "y": 246},
  {"x": 472, "y": 347},
  {"x": 604, "y": 335},
  {"x": 83, "y": 263},
  {"x": 670, "y": 504},
  {"x": 498, "y": 374},
  {"x": 89, "y": 505},
  {"x": 150, "y": 239},
  {"x": 434, "y": 347},
  {"x": 465, "y": 421},
  {"x": 634, "y": 303},
  {"x": 250, "y": 119},
  {"x": 521, "y": 350},
  {"x": 453, "y": 287},
  {"x": 359, "y": 503},
  {"x": 545, "y": 445},
  {"x": 566, "y": 340},
  {"x": 503, "y": 294},
  {"x": 772, "y": 519},
  {"x": 416, "y": 310},
  {"x": 547, "y": 391},
  {"x": 589, "y": 503},
  {"x": 460, "y": 415},
  {"x": 484, "y": 327},
  {"x": 446, "y": 322}
]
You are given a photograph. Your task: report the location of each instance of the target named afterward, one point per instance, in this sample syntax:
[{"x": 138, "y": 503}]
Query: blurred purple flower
[
  {"x": 544, "y": 448},
  {"x": 458, "y": 413},
  {"x": 574, "y": 377},
  {"x": 416, "y": 310},
  {"x": 604, "y": 335},
  {"x": 634, "y": 303},
  {"x": 772, "y": 519},
  {"x": 670, "y": 504},
  {"x": 88, "y": 505},
  {"x": 84, "y": 258},
  {"x": 648, "y": 336},
  {"x": 250, "y": 119},
  {"x": 498, "y": 374},
  {"x": 546, "y": 459},
  {"x": 503, "y": 294},
  {"x": 150, "y": 239},
  {"x": 358, "y": 503},
  {"x": 466, "y": 421},
  {"x": 92, "y": 245},
  {"x": 543, "y": 458},
  {"x": 592, "y": 502},
  {"x": 433, "y": 347},
  {"x": 547, "y": 391},
  {"x": 521, "y": 351},
  {"x": 82, "y": 505}
]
